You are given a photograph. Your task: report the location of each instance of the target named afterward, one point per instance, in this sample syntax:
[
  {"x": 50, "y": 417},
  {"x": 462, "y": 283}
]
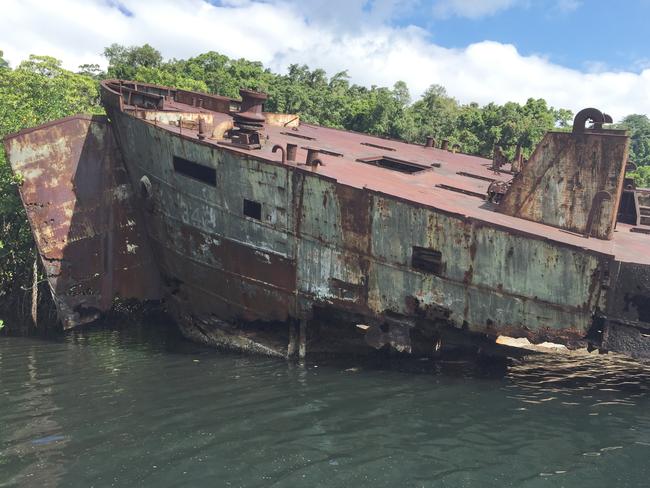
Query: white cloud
[
  {"x": 279, "y": 33},
  {"x": 568, "y": 5},
  {"x": 472, "y": 9}
]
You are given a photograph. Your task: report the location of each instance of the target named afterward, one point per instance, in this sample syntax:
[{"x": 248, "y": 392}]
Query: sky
[{"x": 573, "y": 53}]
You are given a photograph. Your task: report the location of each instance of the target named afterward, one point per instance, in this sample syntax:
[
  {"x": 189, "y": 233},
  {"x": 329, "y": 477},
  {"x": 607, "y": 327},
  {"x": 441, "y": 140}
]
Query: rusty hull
[
  {"x": 80, "y": 207},
  {"x": 324, "y": 244},
  {"x": 340, "y": 239},
  {"x": 340, "y": 236}
]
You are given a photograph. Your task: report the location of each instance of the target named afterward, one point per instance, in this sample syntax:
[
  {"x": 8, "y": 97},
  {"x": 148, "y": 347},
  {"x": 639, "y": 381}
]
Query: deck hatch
[
  {"x": 394, "y": 164},
  {"x": 200, "y": 172},
  {"x": 252, "y": 209},
  {"x": 427, "y": 260}
]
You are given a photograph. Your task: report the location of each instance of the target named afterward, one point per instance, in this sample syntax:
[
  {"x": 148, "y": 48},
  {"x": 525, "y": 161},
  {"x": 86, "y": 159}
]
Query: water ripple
[{"x": 139, "y": 407}]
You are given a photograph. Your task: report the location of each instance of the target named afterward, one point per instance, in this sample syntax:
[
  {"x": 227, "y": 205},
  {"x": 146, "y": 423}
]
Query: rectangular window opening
[
  {"x": 200, "y": 172},
  {"x": 394, "y": 164},
  {"x": 427, "y": 260},
  {"x": 253, "y": 209}
]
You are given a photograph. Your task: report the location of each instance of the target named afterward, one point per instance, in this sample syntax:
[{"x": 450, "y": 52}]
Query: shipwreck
[{"x": 264, "y": 233}]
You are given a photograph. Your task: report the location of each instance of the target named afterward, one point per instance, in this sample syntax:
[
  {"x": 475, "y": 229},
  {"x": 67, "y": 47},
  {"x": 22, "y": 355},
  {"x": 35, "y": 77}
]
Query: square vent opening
[
  {"x": 253, "y": 209},
  {"x": 427, "y": 260},
  {"x": 394, "y": 164}
]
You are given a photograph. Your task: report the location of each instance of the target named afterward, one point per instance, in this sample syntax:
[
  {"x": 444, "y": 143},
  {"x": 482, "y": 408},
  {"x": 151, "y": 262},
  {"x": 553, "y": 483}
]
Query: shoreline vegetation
[{"x": 39, "y": 90}]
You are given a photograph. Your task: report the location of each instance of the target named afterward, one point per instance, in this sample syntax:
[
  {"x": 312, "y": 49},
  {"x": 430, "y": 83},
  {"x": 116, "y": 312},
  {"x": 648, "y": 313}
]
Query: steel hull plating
[
  {"x": 320, "y": 244},
  {"x": 368, "y": 244}
]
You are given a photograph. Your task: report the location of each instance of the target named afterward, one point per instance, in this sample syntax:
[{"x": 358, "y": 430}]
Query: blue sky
[
  {"x": 573, "y": 53},
  {"x": 583, "y": 35}
]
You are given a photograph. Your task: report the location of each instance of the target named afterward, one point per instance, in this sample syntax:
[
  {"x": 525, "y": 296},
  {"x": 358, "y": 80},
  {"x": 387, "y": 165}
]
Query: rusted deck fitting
[
  {"x": 517, "y": 164},
  {"x": 431, "y": 142},
  {"x": 202, "y": 133},
  {"x": 455, "y": 148},
  {"x": 445, "y": 145},
  {"x": 498, "y": 158},
  {"x": 249, "y": 121},
  {"x": 277, "y": 148},
  {"x": 313, "y": 158},
  {"x": 251, "y": 105},
  {"x": 593, "y": 114},
  {"x": 292, "y": 151}
]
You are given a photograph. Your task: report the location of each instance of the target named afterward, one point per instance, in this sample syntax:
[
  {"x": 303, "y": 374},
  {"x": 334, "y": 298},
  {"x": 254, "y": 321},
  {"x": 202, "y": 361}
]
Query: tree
[
  {"x": 434, "y": 114},
  {"x": 3, "y": 64},
  {"x": 563, "y": 118},
  {"x": 639, "y": 127},
  {"x": 37, "y": 91},
  {"x": 641, "y": 176},
  {"x": 124, "y": 62},
  {"x": 90, "y": 70}
]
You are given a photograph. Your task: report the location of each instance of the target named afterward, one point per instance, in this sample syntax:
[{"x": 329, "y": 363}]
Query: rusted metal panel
[
  {"x": 333, "y": 243},
  {"x": 629, "y": 293},
  {"x": 265, "y": 237},
  {"x": 282, "y": 120},
  {"x": 563, "y": 182},
  {"x": 624, "y": 324},
  {"x": 207, "y": 290},
  {"x": 150, "y": 96},
  {"x": 352, "y": 250},
  {"x": 223, "y": 262},
  {"x": 80, "y": 206},
  {"x": 206, "y": 101},
  {"x": 490, "y": 277}
]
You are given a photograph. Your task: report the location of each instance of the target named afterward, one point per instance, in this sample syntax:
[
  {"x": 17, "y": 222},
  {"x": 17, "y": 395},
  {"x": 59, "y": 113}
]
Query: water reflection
[{"x": 138, "y": 407}]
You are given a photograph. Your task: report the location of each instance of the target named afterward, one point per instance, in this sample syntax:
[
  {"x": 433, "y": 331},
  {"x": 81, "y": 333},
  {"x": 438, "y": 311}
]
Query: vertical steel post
[{"x": 302, "y": 349}]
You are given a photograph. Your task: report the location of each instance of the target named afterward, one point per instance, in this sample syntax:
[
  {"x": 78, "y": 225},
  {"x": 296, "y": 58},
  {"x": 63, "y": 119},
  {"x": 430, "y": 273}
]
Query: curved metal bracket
[
  {"x": 277, "y": 148},
  {"x": 593, "y": 114}
]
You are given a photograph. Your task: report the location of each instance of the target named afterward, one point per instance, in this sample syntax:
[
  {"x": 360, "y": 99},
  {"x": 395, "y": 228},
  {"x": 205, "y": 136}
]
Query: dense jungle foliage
[{"x": 39, "y": 90}]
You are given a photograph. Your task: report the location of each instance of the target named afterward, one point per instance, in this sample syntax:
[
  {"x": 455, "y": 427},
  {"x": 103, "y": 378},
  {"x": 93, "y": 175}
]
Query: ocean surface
[{"x": 132, "y": 406}]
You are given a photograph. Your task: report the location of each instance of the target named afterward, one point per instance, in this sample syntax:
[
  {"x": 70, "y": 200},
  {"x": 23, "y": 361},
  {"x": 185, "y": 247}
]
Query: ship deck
[{"x": 450, "y": 182}]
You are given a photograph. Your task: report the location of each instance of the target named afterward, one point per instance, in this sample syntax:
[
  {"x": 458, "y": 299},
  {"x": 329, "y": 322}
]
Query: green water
[{"x": 140, "y": 407}]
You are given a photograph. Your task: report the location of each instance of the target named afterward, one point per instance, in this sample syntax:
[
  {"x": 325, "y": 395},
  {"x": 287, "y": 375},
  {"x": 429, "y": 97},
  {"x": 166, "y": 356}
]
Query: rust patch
[
  {"x": 355, "y": 217},
  {"x": 234, "y": 258},
  {"x": 81, "y": 210},
  {"x": 567, "y": 177}
]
